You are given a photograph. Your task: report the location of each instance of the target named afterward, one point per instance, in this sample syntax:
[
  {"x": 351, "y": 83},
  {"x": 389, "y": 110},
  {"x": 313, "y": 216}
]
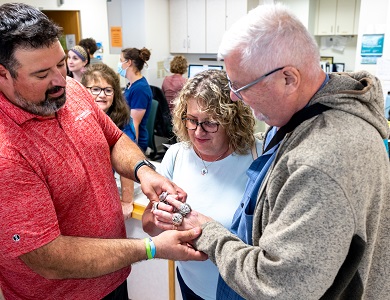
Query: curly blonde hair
[{"x": 210, "y": 89}]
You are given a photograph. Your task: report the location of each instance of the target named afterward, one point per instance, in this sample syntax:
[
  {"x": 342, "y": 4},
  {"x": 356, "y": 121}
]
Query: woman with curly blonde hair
[
  {"x": 211, "y": 91},
  {"x": 216, "y": 147}
]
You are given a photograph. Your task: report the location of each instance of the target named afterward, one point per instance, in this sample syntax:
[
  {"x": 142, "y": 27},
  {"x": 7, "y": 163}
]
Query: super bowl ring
[
  {"x": 177, "y": 219},
  {"x": 163, "y": 196},
  {"x": 184, "y": 209}
]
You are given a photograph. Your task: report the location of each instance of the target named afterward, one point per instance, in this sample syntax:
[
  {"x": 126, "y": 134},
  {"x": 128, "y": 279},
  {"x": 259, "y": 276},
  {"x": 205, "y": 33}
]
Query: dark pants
[
  {"x": 186, "y": 292},
  {"x": 120, "y": 293}
]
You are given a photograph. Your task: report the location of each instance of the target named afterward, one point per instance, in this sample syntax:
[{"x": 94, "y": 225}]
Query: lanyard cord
[{"x": 300, "y": 116}]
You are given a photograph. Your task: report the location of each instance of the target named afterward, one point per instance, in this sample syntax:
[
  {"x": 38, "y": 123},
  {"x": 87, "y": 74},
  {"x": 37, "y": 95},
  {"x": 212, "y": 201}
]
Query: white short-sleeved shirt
[{"x": 216, "y": 194}]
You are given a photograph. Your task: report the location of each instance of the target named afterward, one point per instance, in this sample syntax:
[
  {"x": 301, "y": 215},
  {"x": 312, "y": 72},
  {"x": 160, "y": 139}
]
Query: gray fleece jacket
[{"x": 321, "y": 227}]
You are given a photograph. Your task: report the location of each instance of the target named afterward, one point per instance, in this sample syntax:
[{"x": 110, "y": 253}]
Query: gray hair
[{"x": 268, "y": 37}]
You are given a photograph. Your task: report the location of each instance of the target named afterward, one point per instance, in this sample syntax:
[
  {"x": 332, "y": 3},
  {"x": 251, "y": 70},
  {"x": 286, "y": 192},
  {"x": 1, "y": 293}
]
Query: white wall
[
  {"x": 157, "y": 37},
  {"x": 145, "y": 23},
  {"x": 374, "y": 18},
  {"x": 346, "y": 56},
  {"x": 93, "y": 19},
  {"x": 374, "y": 15}
]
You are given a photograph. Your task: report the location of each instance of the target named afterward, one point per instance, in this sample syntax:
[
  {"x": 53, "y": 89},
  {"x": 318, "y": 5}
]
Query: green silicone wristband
[{"x": 148, "y": 250}]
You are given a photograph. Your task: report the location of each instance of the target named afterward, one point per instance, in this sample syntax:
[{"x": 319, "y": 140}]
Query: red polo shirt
[{"x": 56, "y": 178}]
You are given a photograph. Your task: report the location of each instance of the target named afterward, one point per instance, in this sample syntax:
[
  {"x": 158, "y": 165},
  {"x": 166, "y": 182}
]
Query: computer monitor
[{"x": 194, "y": 69}]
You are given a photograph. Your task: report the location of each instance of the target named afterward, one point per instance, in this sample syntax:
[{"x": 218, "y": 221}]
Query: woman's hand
[
  {"x": 127, "y": 200},
  {"x": 153, "y": 184},
  {"x": 127, "y": 209},
  {"x": 164, "y": 214},
  {"x": 149, "y": 220}
]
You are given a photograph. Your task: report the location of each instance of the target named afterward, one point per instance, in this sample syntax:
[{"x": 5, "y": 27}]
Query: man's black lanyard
[{"x": 300, "y": 116}]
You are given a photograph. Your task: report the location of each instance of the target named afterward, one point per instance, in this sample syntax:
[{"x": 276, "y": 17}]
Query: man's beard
[{"x": 45, "y": 108}]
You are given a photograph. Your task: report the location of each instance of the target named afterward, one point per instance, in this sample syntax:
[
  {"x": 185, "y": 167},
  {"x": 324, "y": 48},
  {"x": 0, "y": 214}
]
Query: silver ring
[
  {"x": 177, "y": 219},
  {"x": 163, "y": 196},
  {"x": 184, "y": 209},
  {"x": 155, "y": 205}
]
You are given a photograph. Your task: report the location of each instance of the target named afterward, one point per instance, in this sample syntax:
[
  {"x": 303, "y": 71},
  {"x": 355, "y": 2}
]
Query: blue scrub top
[{"x": 139, "y": 96}]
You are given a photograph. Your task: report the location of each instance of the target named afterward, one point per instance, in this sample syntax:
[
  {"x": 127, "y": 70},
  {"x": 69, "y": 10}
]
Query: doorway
[{"x": 69, "y": 20}]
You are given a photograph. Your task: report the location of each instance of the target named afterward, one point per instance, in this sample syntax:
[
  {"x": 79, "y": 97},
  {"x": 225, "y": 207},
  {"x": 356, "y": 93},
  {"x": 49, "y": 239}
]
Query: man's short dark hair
[
  {"x": 23, "y": 26},
  {"x": 89, "y": 44}
]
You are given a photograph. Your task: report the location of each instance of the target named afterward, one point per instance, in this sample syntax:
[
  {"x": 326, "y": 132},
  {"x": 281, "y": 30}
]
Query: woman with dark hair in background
[
  {"x": 90, "y": 45},
  {"x": 103, "y": 83},
  {"x": 174, "y": 83},
  {"x": 138, "y": 93}
]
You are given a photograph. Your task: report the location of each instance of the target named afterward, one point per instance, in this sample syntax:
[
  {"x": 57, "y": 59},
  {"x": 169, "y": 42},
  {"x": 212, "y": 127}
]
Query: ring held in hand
[
  {"x": 163, "y": 196},
  {"x": 184, "y": 209},
  {"x": 155, "y": 205},
  {"x": 177, "y": 219}
]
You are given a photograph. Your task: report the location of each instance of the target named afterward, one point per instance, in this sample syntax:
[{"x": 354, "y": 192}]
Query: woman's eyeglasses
[
  {"x": 95, "y": 90},
  {"x": 207, "y": 126}
]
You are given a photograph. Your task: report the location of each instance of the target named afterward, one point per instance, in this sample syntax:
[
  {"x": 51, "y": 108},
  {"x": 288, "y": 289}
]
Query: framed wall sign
[
  {"x": 372, "y": 48},
  {"x": 327, "y": 59}
]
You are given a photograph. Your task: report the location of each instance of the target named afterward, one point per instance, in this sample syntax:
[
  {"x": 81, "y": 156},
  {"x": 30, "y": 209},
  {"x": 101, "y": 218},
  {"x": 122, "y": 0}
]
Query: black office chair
[
  {"x": 150, "y": 128},
  {"x": 150, "y": 125},
  {"x": 163, "y": 124}
]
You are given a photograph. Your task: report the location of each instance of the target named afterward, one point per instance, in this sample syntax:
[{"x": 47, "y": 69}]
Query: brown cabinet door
[{"x": 69, "y": 20}]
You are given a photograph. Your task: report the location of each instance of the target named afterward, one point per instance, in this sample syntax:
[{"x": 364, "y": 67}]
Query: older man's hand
[{"x": 176, "y": 245}]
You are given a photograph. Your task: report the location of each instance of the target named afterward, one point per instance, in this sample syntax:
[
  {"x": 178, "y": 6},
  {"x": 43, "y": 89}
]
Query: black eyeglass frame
[
  {"x": 101, "y": 89},
  {"x": 185, "y": 119},
  {"x": 237, "y": 91}
]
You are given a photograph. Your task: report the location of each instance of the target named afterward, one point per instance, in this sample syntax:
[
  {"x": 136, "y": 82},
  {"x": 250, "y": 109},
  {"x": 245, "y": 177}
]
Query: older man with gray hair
[{"x": 314, "y": 221}]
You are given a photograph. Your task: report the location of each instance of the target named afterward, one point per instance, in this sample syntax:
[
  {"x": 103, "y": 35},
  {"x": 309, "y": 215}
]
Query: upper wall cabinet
[
  {"x": 336, "y": 17},
  {"x": 197, "y": 26},
  {"x": 220, "y": 15},
  {"x": 187, "y": 22}
]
